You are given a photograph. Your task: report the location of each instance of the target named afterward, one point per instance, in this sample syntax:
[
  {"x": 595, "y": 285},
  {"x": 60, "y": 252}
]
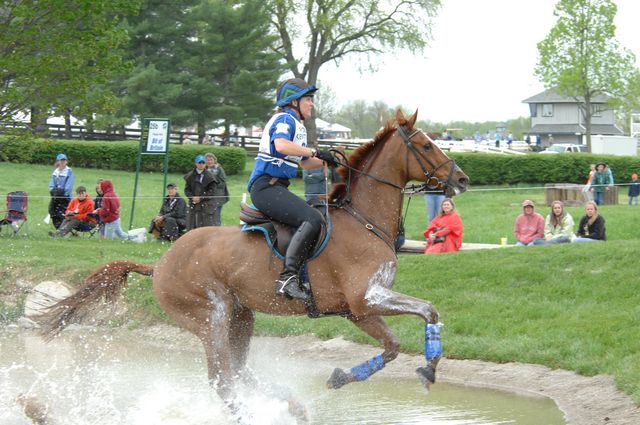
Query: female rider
[{"x": 282, "y": 148}]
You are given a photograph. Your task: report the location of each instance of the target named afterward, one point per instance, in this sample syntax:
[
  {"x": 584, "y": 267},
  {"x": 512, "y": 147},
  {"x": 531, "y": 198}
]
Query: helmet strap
[{"x": 297, "y": 109}]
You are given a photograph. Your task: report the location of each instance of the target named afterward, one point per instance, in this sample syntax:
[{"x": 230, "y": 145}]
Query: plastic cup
[{"x": 503, "y": 241}]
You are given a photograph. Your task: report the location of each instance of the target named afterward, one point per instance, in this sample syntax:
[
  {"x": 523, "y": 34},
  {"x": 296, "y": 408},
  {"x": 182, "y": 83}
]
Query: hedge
[{"x": 115, "y": 155}]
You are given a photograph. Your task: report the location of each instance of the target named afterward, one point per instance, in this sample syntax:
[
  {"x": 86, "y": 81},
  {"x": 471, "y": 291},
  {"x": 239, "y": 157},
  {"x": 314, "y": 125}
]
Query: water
[{"x": 100, "y": 378}]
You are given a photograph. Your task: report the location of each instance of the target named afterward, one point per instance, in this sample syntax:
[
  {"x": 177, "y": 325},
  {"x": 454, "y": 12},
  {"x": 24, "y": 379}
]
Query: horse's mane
[{"x": 358, "y": 158}]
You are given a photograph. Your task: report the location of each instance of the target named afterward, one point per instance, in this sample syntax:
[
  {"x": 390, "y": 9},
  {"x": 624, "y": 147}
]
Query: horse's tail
[{"x": 107, "y": 281}]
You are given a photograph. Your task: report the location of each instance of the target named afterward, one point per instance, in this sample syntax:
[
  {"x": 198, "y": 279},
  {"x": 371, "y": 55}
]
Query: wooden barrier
[{"x": 573, "y": 195}]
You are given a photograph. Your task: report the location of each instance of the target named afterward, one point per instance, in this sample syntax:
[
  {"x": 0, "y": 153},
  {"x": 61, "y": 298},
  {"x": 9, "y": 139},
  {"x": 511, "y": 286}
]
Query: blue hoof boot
[
  {"x": 338, "y": 379},
  {"x": 427, "y": 375}
]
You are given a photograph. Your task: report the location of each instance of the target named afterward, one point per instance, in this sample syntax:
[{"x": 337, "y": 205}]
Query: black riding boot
[{"x": 288, "y": 284}]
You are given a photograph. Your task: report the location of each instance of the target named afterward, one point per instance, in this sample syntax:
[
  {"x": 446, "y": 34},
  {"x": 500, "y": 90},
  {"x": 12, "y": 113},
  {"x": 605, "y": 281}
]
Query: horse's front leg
[{"x": 376, "y": 327}]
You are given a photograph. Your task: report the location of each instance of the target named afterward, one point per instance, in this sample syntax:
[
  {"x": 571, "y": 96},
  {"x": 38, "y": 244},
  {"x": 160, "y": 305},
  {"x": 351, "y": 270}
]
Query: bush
[{"x": 115, "y": 155}]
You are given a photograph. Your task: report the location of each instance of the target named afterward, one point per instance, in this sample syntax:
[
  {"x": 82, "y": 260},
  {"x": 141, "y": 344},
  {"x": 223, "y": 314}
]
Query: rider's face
[{"x": 306, "y": 106}]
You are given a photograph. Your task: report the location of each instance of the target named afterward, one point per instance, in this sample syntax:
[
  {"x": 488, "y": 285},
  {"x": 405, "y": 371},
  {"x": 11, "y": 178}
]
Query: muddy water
[{"x": 88, "y": 377}]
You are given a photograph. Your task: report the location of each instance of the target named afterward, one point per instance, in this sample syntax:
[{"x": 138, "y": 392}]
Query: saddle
[{"x": 278, "y": 235}]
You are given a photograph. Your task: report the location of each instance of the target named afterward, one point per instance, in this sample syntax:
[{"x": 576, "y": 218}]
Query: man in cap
[
  {"x": 61, "y": 189},
  {"x": 529, "y": 225},
  {"x": 78, "y": 215},
  {"x": 171, "y": 221},
  {"x": 199, "y": 188}
]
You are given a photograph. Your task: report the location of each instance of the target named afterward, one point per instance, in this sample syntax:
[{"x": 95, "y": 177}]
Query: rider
[{"x": 282, "y": 148}]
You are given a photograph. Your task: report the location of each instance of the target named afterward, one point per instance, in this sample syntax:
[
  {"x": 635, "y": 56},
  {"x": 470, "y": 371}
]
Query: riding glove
[{"x": 327, "y": 157}]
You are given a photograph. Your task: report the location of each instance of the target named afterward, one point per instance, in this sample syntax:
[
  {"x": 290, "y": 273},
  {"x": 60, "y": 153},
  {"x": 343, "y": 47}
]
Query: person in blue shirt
[
  {"x": 61, "y": 189},
  {"x": 283, "y": 148}
]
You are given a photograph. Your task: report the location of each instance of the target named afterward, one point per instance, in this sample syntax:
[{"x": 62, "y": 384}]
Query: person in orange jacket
[{"x": 77, "y": 215}]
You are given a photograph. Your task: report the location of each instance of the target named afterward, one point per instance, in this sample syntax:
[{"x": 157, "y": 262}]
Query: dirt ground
[{"x": 584, "y": 400}]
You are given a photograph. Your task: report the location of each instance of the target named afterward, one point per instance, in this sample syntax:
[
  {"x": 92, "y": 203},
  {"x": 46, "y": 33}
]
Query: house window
[
  {"x": 547, "y": 109},
  {"x": 596, "y": 110}
]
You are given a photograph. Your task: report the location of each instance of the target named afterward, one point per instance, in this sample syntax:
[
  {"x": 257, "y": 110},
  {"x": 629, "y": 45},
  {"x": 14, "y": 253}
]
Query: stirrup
[{"x": 287, "y": 285}]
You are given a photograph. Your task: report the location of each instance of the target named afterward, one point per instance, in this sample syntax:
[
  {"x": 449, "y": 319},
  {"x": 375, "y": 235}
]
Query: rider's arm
[{"x": 287, "y": 147}]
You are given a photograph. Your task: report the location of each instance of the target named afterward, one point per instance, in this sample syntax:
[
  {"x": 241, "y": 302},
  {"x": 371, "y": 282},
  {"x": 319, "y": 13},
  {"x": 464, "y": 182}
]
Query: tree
[
  {"x": 581, "y": 57},
  {"x": 53, "y": 51},
  {"x": 202, "y": 63},
  {"x": 334, "y": 29}
]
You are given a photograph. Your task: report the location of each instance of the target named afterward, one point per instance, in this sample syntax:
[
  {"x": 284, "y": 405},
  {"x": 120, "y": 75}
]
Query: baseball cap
[
  {"x": 61, "y": 156},
  {"x": 170, "y": 185},
  {"x": 200, "y": 158},
  {"x": 528, "y": 203}
]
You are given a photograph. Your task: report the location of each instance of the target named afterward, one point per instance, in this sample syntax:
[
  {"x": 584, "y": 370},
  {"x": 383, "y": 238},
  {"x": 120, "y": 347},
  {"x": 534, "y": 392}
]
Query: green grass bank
[{"x": 575, "y": 307}]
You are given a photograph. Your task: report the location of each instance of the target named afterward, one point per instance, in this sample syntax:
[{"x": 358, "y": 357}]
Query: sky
[{"x": 478, "y": 67}]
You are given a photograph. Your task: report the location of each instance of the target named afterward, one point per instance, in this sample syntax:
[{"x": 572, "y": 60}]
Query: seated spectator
[
  {"x": 444, "y": 234},
  {"x": 78, "y": 215},
  {"x": 171, "y": 221},
  {"x": 529, "y": 225},
  {"x": 591, "y": 227},
  {"x": 97, "y": 201},
  {"x": 558, "y": 226}
]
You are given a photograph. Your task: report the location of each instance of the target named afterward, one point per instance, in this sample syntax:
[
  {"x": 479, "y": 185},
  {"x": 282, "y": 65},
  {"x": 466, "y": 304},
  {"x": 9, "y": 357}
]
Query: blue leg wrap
[{"x": 368, "y": 368}]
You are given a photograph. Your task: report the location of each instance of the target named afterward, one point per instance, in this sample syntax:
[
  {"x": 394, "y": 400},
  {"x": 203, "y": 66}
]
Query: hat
[
  {"x": 80, "y": 189},
  {"x": 170, "y": 185},
  {"x": 528, "y": 203},
  {"x": 599, "y": 164},
  {"x": 199, "y": 158},
  {"x": 61, "y": 156}
]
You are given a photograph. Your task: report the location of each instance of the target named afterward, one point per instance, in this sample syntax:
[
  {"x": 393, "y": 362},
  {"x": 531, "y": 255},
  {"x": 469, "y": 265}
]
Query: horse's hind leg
[{"x": 376, "y": 327}]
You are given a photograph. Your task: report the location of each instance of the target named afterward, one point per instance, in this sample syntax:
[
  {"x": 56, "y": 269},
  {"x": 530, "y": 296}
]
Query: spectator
[
  {"x": 509, "y": 140},
  {"x": 444, "y": 234},
  {"x": 634, "y": 189},
  {"x": 314, "y": 184},
  {"x": 61, "y": 190},
  {"x": 97, "y": 201},
  {"x": 558, "y": 226},
  {"x": 591, "y": 227},
  {"x": 498, "y": 138},
  {"x": 538, "y": 146},
  {"x": 587, "y": 187},
  {"x": 109, "y": 212},
  {"x": 600, "y": 183},
  {"x": 78, "y": 215},
  {"x": 171, "y": 221},
  {"x": 433, "y": 199},
  {"x": 220, "y": 191},
  {"x": 529, "y": 225},
  {"x": 199, "y": 187}
]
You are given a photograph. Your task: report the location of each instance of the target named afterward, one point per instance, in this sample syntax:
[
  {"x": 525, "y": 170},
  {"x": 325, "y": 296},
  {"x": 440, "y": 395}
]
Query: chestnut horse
[{"x": 212, "y": 279}]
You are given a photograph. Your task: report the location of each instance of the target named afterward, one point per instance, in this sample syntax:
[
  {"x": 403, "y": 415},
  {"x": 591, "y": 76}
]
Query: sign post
[{"x": 154, "y": 140}]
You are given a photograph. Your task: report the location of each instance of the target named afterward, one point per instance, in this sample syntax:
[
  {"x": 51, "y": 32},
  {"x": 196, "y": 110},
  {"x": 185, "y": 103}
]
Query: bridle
[{"x": 431, "y": 181}]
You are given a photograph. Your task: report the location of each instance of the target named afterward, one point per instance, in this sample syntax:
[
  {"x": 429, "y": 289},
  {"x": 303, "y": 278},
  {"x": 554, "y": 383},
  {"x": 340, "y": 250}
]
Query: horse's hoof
[
  {"x": 427, "y": 375},
  {"x": 338, "y": 379}
]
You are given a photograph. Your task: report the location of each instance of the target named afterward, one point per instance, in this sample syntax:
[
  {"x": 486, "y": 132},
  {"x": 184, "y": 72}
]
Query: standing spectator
[
  {"x": 61, "y": 189},
  {"x": 558, "y": 226},
  {"x": 444, "y": 234},
  {"x": 199, "y": 188},
  {"x": 498, "y": 138},
  {"x": 433, "y": 199},
  {"x": 529, "y": 225},
  {"x": 220, "y": 191},
  {"x": 634, "y": 189},
  {"x": 610, "y": 173},
  {"x": 538, "y": 142},
  {"x": 314, "y": 184},
  {"x": 78, "y": 214},
  {"x": 600, "y": 183},
  {"x": 171, "y": 221},
  {"x": 509, "y": 140},
  {"x": 591, "y": 227},
  {"x": 587, "y": 187},
  {"x": 109, "y": 212}
]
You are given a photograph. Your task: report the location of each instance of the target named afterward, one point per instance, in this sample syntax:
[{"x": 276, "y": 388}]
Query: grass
[{"x": 575, "y": 307}]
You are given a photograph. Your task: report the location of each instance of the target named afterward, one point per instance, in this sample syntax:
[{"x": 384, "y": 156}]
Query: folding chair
[{"x": 16, "y": 212}]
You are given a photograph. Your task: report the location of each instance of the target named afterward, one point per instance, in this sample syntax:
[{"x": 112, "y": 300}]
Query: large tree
[
  {"x": 203, "y": 63},
  {"x": 581, "y": 57},
  {"x": 330, "y": 30},
  {"x": 53, "y": 51}
]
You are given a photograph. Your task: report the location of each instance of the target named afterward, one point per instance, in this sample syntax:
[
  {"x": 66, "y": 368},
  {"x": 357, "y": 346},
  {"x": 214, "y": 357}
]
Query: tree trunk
[
  {"x": 587, "y": 120},
  {"x": 38, "y": 123},
  {"x": 67, "y": 123}
]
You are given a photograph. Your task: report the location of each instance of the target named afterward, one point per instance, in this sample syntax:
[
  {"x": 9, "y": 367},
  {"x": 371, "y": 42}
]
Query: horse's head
[{"x": 426, "y": 162}]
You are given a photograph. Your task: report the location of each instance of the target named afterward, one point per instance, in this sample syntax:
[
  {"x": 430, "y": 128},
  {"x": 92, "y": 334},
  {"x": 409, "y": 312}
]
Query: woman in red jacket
[
  {"x": 444, "y": 234},
  {"x": 109, "y": 212}
]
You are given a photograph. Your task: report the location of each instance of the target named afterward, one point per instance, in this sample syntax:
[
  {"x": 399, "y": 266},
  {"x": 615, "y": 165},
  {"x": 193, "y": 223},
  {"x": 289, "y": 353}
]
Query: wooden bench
[{"x": 573, "y": 195}]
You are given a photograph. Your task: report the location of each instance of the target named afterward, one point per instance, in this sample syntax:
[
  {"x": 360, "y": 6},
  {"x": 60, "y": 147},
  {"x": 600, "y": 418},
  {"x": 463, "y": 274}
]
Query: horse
[{"x": 213, "y": 279}]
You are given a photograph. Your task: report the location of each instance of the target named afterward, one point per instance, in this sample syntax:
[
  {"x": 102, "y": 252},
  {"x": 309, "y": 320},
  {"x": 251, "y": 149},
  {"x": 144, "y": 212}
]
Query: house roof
[
  {"x": 552, "y": 96},
  {"x": 606, "y": 129}
]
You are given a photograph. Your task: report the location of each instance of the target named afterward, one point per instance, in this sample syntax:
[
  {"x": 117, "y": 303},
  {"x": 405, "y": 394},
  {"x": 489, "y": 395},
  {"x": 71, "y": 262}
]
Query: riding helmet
[{"x": 292, "y": 89}]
